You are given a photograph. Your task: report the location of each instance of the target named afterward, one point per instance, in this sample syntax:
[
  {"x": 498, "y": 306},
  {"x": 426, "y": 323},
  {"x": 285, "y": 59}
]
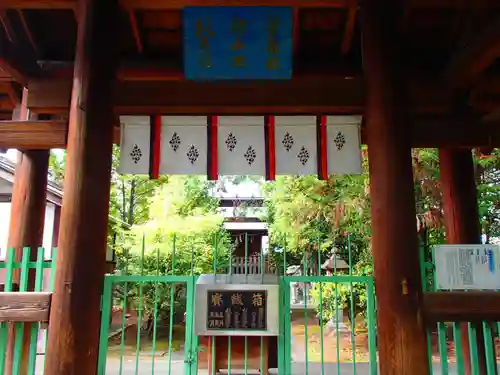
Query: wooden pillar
[
  {"x": 401, "y": 332},
  {"x": 27, "y": 219},
  {"x": 75, "y": 310},
  {"x": 461, "y": 219}
]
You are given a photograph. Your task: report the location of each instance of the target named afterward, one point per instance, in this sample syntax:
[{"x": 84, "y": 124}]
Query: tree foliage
[
  {"x": 182, "y": 236},
  {"x": 171, "y": 225},
  {"x": 304, "y": 211}
]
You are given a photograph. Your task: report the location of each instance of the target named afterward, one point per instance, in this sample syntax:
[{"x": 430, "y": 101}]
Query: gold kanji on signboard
[
  {"x": 216, "y": 299},
  {"x": 237, "y": 299},
  {"x": 257, "y": 299}
]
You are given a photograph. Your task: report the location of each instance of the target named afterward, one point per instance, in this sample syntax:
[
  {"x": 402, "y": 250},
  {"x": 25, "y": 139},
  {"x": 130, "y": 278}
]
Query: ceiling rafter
[
  {"x": 17, "y": 64},
  {"x": 349, "y": 28},
  {"x": 7, "y": 26},
  {"x": 27, "y": 30},
  {"x": 135, "y": 30},
  {"x": 475, "y": 55}
]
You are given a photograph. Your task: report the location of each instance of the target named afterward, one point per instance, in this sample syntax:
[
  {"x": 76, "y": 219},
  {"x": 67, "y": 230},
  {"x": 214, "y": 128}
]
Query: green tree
[
  {"x": 57, "y": 164},
  {"x": 183, "y": 235}
]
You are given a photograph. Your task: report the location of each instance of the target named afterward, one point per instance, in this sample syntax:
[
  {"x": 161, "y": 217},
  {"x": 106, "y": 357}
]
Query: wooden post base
[{"x": 254, "y": 350}]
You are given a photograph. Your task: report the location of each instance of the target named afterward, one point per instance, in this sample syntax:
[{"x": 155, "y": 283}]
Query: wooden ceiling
[{"x": 450, "y": 42}]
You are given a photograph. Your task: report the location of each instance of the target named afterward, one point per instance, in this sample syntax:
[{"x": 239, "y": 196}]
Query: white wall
[
  {"x": 4, "y": 227},
  {"x": 47, "y": 231}
]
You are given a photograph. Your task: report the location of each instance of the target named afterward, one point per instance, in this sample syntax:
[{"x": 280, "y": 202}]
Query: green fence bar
[
  {"x": 473, "y": 350},
  {"x": 321, "y": 321},
  {"x": 19, "y": 327},
  {"x": 191, "y": 345},
  {"x": 104, "y": 332},
  {"x": 443, "y": 349},
  {"x": 52, "y": 266},
  {"x": 423, "y": 279},
  {"x": 123, "y": 327},
  {"x": 371, "y": 316},
  {"x": 8, "y": 288},
  {"x": 489, "y": 349},
  {"x": 288, "y": 322},
  {"x": 245, "y": 365},
  {"x": 35, "y": 327},
  {"x": 171, "y": 312},
  {"x": 214, "y": 338},
  {"x": 155, "y": 312},
  {"x": 140, "y": 309},
  {"x": 352, "y": 312},
  {"x": 457, "y": 338},
  {"x": 229, "y": 351},
  {"x": 306, "y": 313},
  {"x": 123, "y": 320},
  {"x": 336, "y": 315}
]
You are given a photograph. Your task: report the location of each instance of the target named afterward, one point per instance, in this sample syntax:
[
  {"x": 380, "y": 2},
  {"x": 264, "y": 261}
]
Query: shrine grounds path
[{"x": 177, "y": 368}]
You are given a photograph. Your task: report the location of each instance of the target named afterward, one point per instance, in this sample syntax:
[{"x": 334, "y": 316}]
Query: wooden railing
[
  {"x": 252, "y": 265},
  {"x": 23, "y": 307}
]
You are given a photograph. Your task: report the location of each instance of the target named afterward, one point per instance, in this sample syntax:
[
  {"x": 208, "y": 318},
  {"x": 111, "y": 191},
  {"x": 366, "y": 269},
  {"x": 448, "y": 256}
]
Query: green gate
[
  {"x": 149, "y": 289},
  {"x": 326, "y": 316},
  {"x": 347, "y": 345}
]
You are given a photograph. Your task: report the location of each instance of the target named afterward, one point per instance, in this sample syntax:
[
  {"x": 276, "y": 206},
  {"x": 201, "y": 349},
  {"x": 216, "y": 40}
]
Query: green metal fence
[
  {"x": 10, "y": 266},
  {"x": 444, "y": 340},
  {"x": 136, "y": 351},
  {"x": 327, "y": 315}
]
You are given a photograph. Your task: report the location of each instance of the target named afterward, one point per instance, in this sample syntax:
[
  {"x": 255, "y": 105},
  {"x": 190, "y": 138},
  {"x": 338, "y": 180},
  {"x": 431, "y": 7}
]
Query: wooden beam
[
  {"x": 308, "y": 95},
  {"x": 463, "y": 133},
  {"x": 24, "y": 306},
  {"x": 38, "y": 135},
  {"x": 178, "y": 4},
  {"x": 461, "y": 306},
  {"x": 452, "y": 4},
  {"x": 175, "y": 4},
  {"x": 485, "y": 95},
  {"x": 34, "y": 135},
  {"x": 425, "y": 132},
  {"x": 475, "y": 55}
]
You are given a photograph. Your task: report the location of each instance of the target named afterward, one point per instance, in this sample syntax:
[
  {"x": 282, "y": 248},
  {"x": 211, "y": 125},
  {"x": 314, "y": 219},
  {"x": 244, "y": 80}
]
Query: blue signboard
[{"x": 237, "y": 43}]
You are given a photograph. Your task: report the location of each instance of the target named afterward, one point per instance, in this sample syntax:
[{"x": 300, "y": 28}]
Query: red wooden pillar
[
  {"x": 461, "y": 219},
  {"x": 75, "y": 310},
  {"x": 401, "y": 332},
  {"x": 27, "y": 219}
]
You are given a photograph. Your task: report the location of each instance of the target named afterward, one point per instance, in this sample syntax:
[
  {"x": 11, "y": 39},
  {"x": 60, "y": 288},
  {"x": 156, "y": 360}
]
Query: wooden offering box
[
  {"x": 236, "y": 323},
  {"x": 220, "y": 361}
]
